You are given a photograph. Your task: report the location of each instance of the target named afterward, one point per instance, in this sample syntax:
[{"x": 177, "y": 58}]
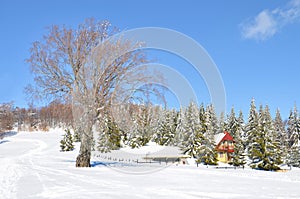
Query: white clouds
[
  {"x": 260, "y": 28},
  {"x": 267, "y": 23}
]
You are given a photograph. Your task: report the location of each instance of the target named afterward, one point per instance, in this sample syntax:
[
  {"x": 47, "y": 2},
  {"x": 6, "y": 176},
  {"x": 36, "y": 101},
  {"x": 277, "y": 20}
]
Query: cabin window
[{"x": 226, "y": 143}]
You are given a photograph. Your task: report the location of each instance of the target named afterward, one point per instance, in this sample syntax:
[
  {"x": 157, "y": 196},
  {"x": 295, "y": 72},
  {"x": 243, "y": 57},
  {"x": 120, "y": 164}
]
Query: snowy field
[{"x": 31, "y": 166}]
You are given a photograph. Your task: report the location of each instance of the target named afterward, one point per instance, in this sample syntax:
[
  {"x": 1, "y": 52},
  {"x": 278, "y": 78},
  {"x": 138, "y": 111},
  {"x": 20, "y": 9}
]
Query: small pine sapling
[
  {"x": 69, "y": 140},
  {"x": 66, "y": 144},
  {"x": 63, "y": 144}
]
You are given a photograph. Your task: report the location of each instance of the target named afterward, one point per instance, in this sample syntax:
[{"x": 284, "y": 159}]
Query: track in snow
[{"x": 31, "y": 167}]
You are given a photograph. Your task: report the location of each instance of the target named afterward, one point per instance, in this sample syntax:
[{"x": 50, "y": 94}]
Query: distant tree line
[
  {"x": 6, "y": 117},
  {"x": 56, "y": 114}
]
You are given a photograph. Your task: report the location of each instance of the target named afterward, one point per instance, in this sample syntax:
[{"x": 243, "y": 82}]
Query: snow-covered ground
[{"x": 31, "y": 166}]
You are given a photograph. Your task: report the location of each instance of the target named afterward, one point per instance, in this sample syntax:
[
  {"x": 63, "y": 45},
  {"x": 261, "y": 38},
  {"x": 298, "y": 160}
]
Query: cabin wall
[{"x": 222, "y": 157}]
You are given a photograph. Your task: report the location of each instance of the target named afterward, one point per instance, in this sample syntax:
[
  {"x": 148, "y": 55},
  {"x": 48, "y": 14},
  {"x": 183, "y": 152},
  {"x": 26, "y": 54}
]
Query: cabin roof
[{"x": 222, "y": 137}]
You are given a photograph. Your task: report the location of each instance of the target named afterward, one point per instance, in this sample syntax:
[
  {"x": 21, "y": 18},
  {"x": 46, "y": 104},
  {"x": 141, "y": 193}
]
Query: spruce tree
[
  {"x": 145, "y": 128},
  {"x": 252, "y": 135},
  {"x": 142, "y": 127},
  {"x": 202, "y": 118},
  {"x": 232, "y": 123},
  {"x": 211, "y": 120},
  {"x": 243, "y": 125},
  {"x": 179, "y": 131},
  {"x": 208, "y": 153},
  {"x": 239, "y": 150},
  {"x": 281, "y": 136},
  {"x": 273, "y": 150},
  {"x": 223, "y": 125},
  {"x": 293, "y": 130},
  {"x": 77, "y": 135},
  {"x": 134, "y": 138},
  {"x": 63, "y": 143},
  {"x": 173, "y": 126},
  {"x": 235, "y": 128},
  {"x": 66, "y": 144},
  {"x": 191, "y": 130},
  {"x": 69, "y": 141},
  {"x": 167, "y": 128},
  {"x": 264, "y": 150},
  {"x": 293, "y": 156},
  {"x": 109, "y": 135},
  {"x": 162, "y": 129}
]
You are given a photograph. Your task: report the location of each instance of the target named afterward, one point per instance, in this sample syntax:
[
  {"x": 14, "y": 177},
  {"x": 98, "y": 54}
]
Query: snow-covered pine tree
[
  {"x": 191, "y": 131},
  {"x": 143, "y": 126},
  {"x": 281, "y": 135},
  {"x": 146, "y": 130},
  {"x": 240, "y": 159},
  {"x": 148, "y": 124},
  {"x": 102, "y": 140},
  {"x": 273, "y": 150},
  {"x": 235, "y": 128},
  {"x": 173, "y": 126},
  {"x": 77, "y": 134},
  {"x": 265, "y": 153},
  {"x": 211, "y": 120},
  {"x": 166, "y": 128},
  {"x": 293, "y": 156},
  {"x": 161, "y": 130},
  {"x": 208, "y": 153},
  {"x": 243, "y": 124},
  {"x": 232, "y": 123},
  {"x": 252, "y": 134},
  {"x": 109, "y": 135},
  {"x": 179, "y": 131},
  {"x": 293, "y": 131},
  {"x": 133, "y": 135},
  {"x": 202, "y": 117},
  {"x": 294, "y": 127},
  {"x": 222, "y": 123}
]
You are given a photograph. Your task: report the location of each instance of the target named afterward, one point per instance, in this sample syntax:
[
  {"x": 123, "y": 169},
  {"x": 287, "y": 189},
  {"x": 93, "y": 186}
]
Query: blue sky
[{"x": 255, "y": 44}]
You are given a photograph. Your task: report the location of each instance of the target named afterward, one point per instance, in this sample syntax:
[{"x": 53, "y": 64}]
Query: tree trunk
[{"x": 84, "y": 157}]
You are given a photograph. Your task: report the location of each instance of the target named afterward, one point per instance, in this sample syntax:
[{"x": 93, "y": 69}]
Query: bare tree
[
  {"x": 96, "y": 70},
  {"x": 6, "y": 116},
  {"x": 55, "y": 114}
]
